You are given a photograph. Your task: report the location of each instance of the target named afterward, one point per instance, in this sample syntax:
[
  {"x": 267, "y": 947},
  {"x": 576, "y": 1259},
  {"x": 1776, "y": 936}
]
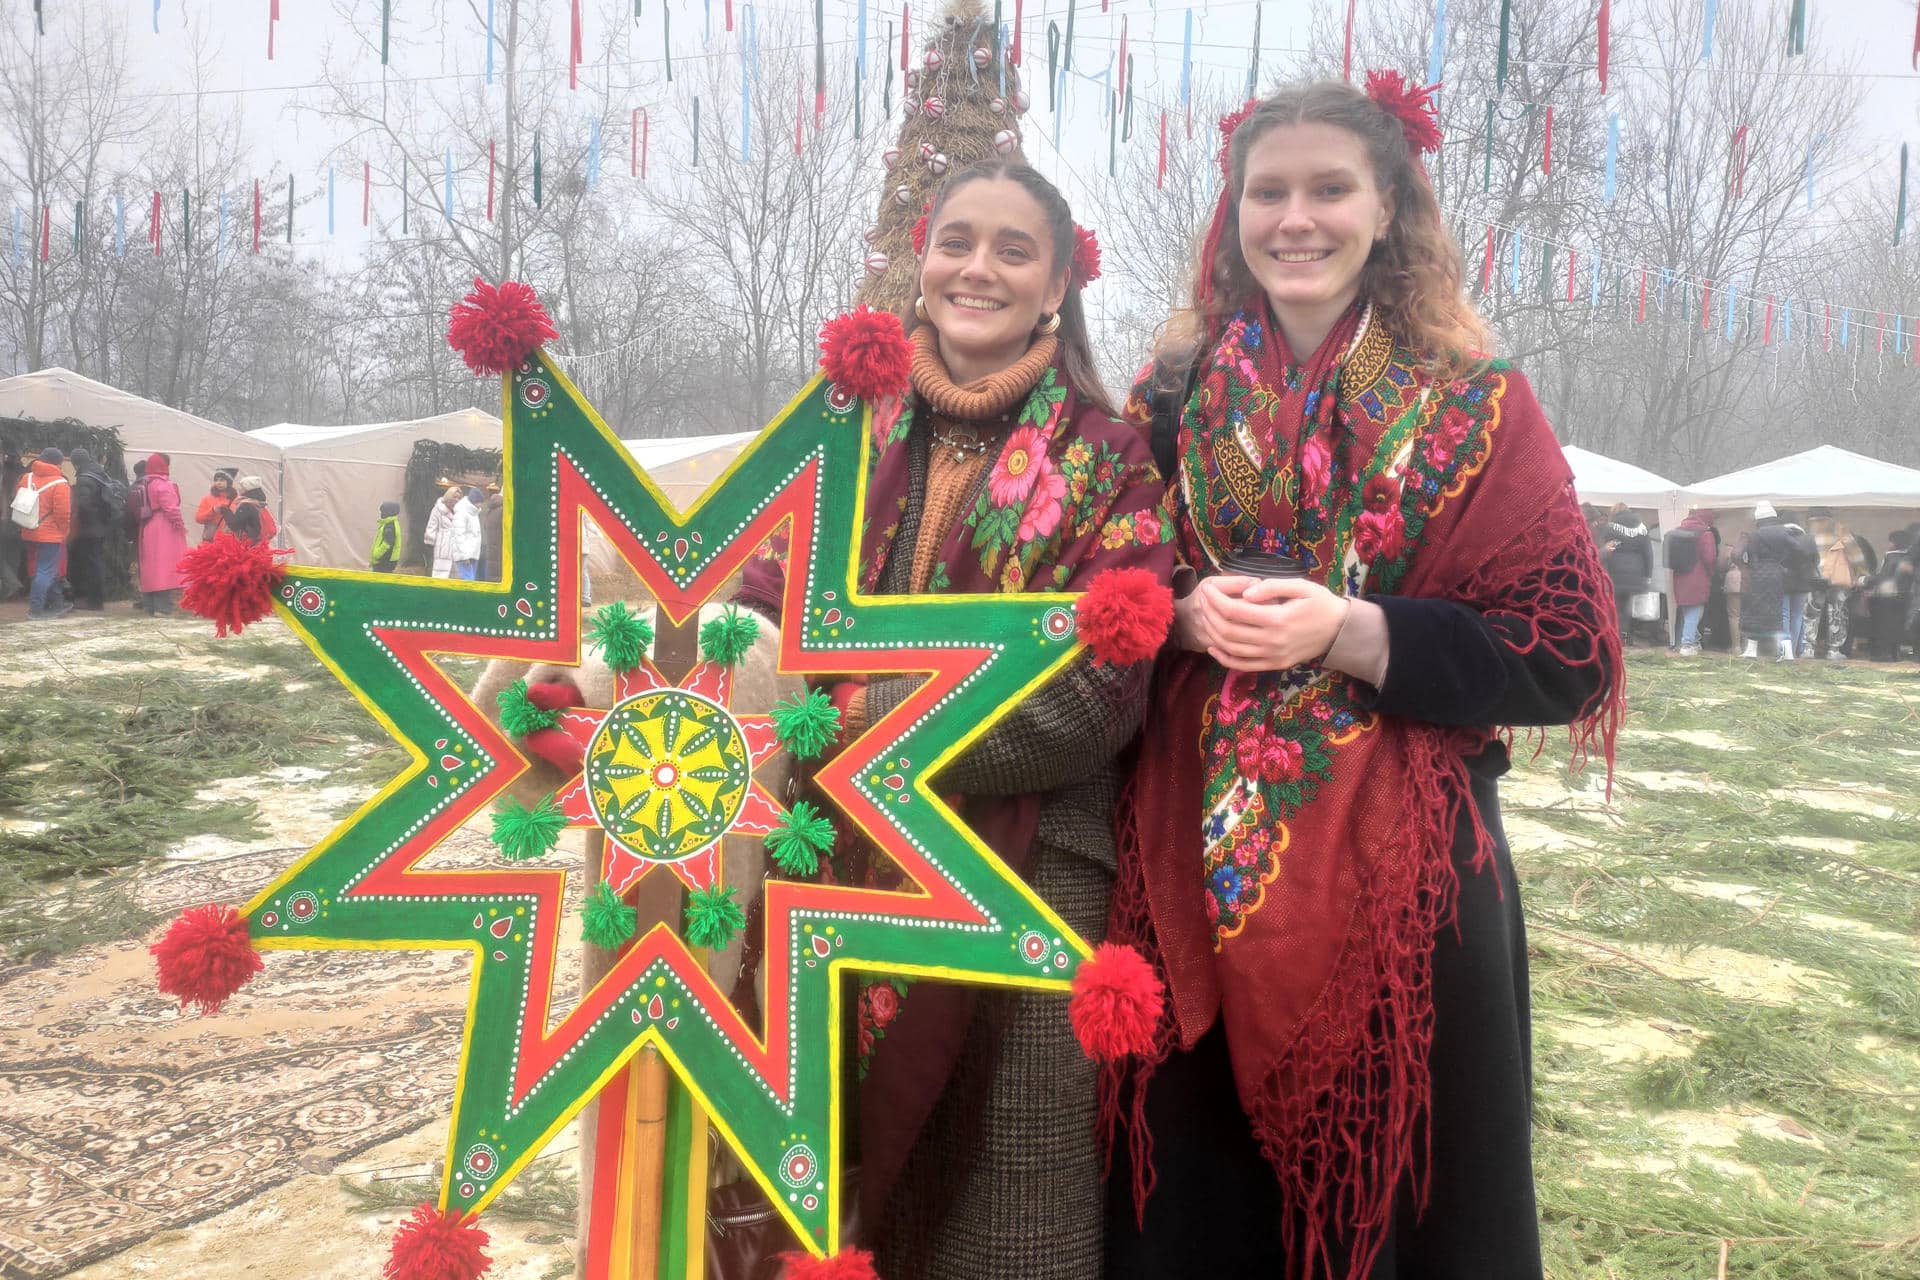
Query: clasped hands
[{"x": 1259, "y": 624}]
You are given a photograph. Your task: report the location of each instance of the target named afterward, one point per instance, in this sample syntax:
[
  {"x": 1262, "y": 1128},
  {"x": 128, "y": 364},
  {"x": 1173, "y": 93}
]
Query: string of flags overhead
[{"x": 1116, "y": 85}]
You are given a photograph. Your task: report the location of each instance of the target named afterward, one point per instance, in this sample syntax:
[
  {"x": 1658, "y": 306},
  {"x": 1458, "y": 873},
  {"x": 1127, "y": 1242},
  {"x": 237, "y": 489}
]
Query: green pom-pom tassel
[
  {"x": 713, "y": 917},
  {"x": 607, "y": 921},
  {"x": 518, "y": 715},
  {"x": 727, "y": 638},
  {"x": 521, "y": 833},
  {"x": 806, "y": 723},
  {"x": 798, "y": 841},
  {"x": 621, "y": 636}
]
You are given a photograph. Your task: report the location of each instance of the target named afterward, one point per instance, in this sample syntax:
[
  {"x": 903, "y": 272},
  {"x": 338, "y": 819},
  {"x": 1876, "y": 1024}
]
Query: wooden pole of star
[{"x": 648, "y": 1202}]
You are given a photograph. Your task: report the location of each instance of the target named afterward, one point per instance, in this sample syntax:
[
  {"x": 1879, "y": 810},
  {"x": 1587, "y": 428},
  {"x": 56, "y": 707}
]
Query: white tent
[
  {"x": 1604, "y": 481},
  {"x": 195, "y": 446},
  {"x": 1824, "y": 476},
  {"x": 335, "y": 478}
]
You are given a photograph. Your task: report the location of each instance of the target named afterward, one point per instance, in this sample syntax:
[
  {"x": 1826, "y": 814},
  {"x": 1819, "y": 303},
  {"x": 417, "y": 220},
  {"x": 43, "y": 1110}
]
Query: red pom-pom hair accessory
[
  {"x": 1412, "y": 106},
  {"x": 920, "y": 230},
  {"x": 436, "y": 1245},
  {"x": 1124, "y": 616},
  {"x": 495, "y": 327},
  {"x": 230, "y": 581},
  {"x": 1086, "y": 258},
  {"x": 1218, "y": 227},
  {"x": 1117, "y": 1003},
  {"x": 866, "y": 353},
  {"x": 205, "y": 956}
]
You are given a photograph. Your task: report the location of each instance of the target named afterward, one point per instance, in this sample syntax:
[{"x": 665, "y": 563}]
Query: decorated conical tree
[{"x": 956, "y": 113}]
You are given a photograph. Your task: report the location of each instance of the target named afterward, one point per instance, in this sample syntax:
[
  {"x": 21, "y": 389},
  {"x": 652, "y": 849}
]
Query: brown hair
[
  {"x": 1413, "y": 276},
  {"x": 1076, "y": 349}
]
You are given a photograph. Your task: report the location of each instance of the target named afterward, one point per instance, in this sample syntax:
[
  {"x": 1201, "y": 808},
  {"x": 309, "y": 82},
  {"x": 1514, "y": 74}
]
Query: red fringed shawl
[{"x": 1285, "y": 853}]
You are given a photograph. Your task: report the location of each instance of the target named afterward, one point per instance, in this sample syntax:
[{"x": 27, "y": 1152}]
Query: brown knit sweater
[{"x": 979, "y": 411}]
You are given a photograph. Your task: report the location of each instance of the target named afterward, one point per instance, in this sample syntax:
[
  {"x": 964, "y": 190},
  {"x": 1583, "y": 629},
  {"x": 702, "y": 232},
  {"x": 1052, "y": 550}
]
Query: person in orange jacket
[
  {"x": 212, "y": 512},
  {"x": 46, "y": 536}
]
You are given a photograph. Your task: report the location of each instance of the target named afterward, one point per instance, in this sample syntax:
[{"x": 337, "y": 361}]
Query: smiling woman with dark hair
[{"x": 1001, "y": 471}]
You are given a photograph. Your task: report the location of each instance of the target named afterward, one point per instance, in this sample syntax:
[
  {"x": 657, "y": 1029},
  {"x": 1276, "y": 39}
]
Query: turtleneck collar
[{"x": 983, "y": 398}]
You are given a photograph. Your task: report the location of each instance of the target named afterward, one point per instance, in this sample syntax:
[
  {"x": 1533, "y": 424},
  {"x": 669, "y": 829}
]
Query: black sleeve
[{"x": 1448, "y": 663}]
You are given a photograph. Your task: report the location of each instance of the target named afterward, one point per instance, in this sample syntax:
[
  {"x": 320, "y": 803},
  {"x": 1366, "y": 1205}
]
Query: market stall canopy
[
  {"x": 195, "y": 446},
  {"x": 1603, "y": 481},
  {"x": 1824, "y": 476},
  {"x": 336, "y": 477}
]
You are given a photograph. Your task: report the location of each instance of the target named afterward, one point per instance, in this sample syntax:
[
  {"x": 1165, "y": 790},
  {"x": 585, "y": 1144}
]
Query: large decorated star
[{"x": 667, "y": 770}]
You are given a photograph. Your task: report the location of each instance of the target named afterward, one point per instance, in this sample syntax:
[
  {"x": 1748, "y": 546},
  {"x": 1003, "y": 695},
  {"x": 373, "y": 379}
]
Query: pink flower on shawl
[
  {"x": 1380, "y": 535},
  {"x": 1017, "y": 467},
  {"x": 1282, "y": 759},
  {"x": 1447, "y": 435},
  {"x": 1316, "y": 465},
  {"x": 1248, "y": 752},
  {"x": 1234, "y": 697},
  {"x": 885, "y": 1002},
  {"x": 1044, "y": 508}
]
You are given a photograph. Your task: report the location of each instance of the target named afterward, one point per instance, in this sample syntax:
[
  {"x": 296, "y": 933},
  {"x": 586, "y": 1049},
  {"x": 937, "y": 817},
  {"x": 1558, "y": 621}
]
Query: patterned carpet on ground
[{"x": 120, "y": 1116}]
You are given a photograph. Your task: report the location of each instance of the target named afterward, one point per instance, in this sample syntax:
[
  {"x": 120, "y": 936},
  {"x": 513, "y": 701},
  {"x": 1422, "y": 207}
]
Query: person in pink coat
[{"x": 163, "y": 535}]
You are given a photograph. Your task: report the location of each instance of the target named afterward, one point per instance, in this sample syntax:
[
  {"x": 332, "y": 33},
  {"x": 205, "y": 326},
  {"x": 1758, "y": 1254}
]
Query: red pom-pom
[
  {"x": 1086, "y": 258},
  {"x": 205, "y": 956},
  {"x": 432, "y": 1245},
  {"x": 1116, "y": 1004},
  {"x": 848, "y": 1264},
  {"x": 230, "y": 581},
  {"x": 1411, "y": 105},
  {"x": 866, "y": 353},
  {"x": 495, "y": 327},
  {"x": 1124, "y": 616},
  {"x": 920, "y": 236}
]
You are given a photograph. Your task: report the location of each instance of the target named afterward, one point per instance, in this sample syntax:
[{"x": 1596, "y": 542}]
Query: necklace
[{"x": 961, "y": 442}]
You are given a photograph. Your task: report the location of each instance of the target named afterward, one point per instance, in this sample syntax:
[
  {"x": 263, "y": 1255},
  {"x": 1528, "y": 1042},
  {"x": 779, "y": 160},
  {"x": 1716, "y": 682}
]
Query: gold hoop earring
[
  {"x": 1052, "y": 325},
  {"x": 920, "y": 310}
]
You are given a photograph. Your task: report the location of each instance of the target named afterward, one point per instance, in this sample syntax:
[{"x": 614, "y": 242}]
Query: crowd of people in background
[
  {"x": 66, "y": 511},
  {"x": 1787, "y": 589}
]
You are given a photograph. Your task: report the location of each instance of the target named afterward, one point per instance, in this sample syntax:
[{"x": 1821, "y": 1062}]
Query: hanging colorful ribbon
[
  {"x": 646, "y": 127},
  {"x": 1546, "y": 271},
  {"x": 1733, "y": 292},
  {"x": 1846, "y": 325},
  {"x": 386, "y": 26},
  {"x": 1346, "y": 55},
  {"x": 1606, "y": 42},
  {"x": 666, "y": 39},
  {"x": 749, "y": 73},
  {"x": 906, "y": 19},
  {"x": 1486, "y": 172},
  {"x": 1712, "y": 17},
  {"x": 1640, "y": 316},
  {"x": 1486, "y": 264},
  {"x": 799, "y": 120},
  {"x": 1546, "y": 144},
  {"x": 1613, "y": 159},
  {"x": 1253, "y": 66},
  {"x": 1160, "y": 173},
  {"x": 1593, "y": 294},
  {"x": 1797, "y": 28},
  {"x": 1186, "y": 70},
  {"x": 819, "y": 63},
  {"x": 1786, "y": 322},
  {"x": 886, "y": 90},
  {"x": 574, "y": 46},
  {"x": 1506, "y": 45},
  {"x": 366, "y": 191},
  {"x": 1437, "y": 55},
  {"x": 593, "y": 153},
  {"x": 1809, "y": 178},
  {"x": 860, "y": 34},
  {"x": 156, "y": 17},
  {"x": 1766, "y": 324},
  {"x": 1053, "y": 67},
  {"x": 273, "y": 17},
  {"x": 1019, "y": 21},
  {"x": 1900, "y": 206},
  {"x": 1573, "y": 259}
]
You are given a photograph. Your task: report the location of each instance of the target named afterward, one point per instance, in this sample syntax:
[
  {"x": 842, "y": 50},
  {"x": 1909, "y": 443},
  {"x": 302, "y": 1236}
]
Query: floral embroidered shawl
[{"x": 1285, "y": 851}]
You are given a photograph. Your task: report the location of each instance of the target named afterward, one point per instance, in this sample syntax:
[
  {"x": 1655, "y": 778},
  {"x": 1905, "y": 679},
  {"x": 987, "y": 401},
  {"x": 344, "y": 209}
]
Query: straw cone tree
[{"x": 955, "y": 114}]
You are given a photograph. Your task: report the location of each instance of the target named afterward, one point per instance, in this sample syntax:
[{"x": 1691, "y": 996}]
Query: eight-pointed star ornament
[{"x": 666, "y": 771}]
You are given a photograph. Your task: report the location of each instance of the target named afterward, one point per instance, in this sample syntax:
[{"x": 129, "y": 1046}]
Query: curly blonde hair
[{"x": 1414, "y": 275}]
